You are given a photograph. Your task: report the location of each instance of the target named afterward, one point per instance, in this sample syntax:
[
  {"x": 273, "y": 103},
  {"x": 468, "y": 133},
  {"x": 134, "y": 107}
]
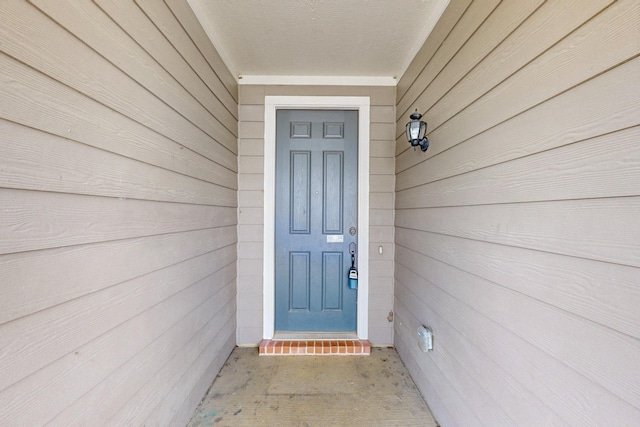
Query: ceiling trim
[{"x": 318, "y": 80}]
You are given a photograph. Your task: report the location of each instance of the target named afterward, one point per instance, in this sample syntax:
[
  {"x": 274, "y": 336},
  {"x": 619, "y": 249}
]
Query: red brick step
[{"x": 315, "y": 348}]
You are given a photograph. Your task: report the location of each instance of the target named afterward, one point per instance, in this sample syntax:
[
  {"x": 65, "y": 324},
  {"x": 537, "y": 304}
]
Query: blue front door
[{"x": 316, "y": 219}]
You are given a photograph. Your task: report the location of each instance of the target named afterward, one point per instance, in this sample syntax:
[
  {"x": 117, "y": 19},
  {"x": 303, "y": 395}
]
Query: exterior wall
[
  {"x": 518, "y": 234},
  {"x": 118, "y": 212},
  {"x": 251, "y": 213}
]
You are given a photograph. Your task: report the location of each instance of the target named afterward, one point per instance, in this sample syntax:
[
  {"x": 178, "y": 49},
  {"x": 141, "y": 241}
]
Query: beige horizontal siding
[
  {"x": 517, "y": 231},
  {"x": 251, "y": 213},
  {"x": 118, "y": 187},
  {"x": 219, "y": 78}
]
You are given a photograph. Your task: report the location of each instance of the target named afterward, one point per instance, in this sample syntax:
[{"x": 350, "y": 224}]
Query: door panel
[
  {"x": 316, "y": 201},
  {"x": 333, "y": 193},
  {"x": 300, "y": 194},
  {"x": 332, "y": 272},
  {"x": 300, "y": 269}
]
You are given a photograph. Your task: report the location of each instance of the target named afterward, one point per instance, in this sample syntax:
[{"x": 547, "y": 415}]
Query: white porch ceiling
[{"x": 334, "y": 38}]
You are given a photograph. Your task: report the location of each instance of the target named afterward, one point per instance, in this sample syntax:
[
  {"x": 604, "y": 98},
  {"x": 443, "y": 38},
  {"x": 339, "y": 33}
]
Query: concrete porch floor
[{"x": 253, "y": 390}]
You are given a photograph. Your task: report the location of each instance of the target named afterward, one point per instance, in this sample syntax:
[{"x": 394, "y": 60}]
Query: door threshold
[{"x": 317, "y": 336}]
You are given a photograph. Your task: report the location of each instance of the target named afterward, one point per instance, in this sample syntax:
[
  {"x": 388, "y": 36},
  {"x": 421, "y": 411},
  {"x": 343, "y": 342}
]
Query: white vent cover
[{"x": 425, "y": 338}]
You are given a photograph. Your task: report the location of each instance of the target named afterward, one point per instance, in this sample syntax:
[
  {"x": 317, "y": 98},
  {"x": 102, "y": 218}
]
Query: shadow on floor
[{"x": 254, "y": 390}]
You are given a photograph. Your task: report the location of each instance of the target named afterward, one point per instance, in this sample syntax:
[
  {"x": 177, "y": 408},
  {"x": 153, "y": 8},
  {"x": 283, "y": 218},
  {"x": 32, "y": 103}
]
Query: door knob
[{"x": 352, "y": 231}]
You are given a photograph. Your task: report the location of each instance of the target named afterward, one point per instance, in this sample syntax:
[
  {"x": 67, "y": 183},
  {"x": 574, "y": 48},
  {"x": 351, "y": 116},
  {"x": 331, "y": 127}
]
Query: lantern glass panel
[
  {"x": 415, "y": 130},
  {"x": 423, "y": 130}
]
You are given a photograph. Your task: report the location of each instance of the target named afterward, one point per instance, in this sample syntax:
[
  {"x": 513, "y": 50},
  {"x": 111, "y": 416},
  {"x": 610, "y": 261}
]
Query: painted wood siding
[
  {"x": 518, "y": 233},
  {"x": 251, "y": 213},
  {"x": 118, "y": 212}
]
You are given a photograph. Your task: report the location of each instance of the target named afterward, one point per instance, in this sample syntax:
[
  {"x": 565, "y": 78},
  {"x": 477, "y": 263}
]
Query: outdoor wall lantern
[{"x": 416, "y": 132}]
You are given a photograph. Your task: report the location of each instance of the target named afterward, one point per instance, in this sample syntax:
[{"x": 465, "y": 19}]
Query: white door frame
[{"x": 271, "y": 104}]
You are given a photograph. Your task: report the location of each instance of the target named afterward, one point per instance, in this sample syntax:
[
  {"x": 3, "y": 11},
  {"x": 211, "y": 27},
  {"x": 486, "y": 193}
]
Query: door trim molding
[{"x": 271, "y": 104}]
